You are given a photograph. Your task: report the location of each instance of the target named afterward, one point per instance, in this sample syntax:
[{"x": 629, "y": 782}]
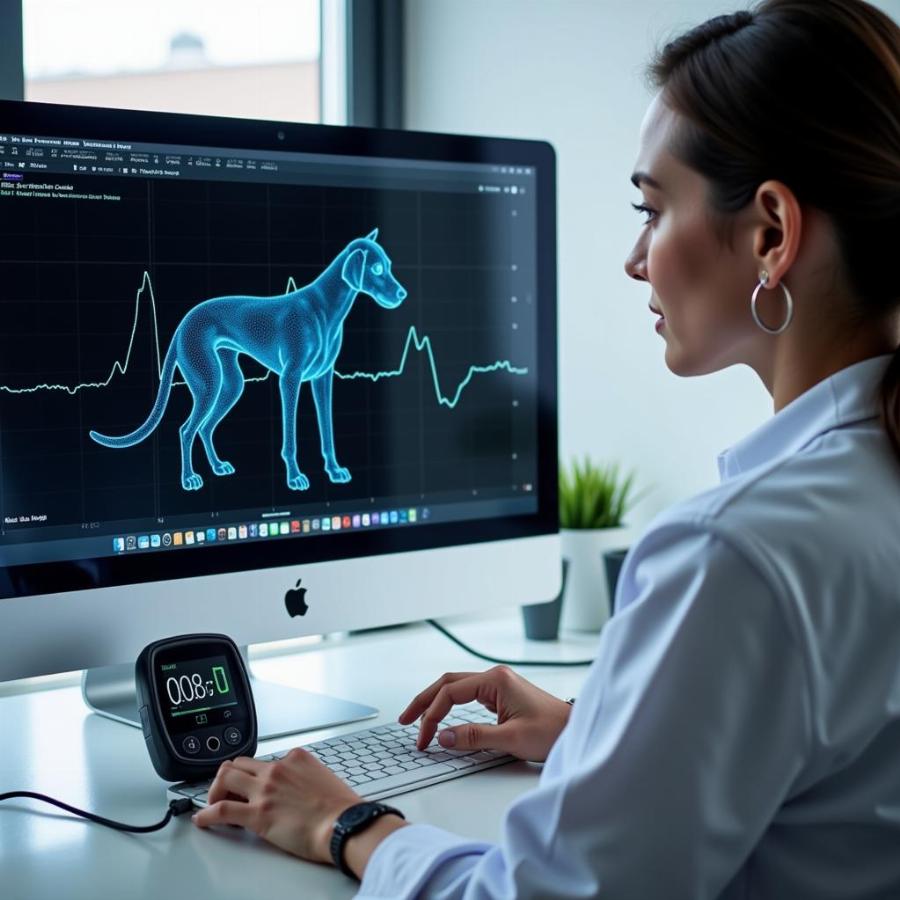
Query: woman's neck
[{"x": 802, "y": 361}]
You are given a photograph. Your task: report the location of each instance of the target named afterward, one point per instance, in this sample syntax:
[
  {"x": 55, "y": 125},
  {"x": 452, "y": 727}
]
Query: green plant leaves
[{"x": 593, "y": 496}]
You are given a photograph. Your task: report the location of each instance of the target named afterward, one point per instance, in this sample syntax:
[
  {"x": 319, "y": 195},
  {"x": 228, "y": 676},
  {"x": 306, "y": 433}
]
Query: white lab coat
[{"x": 738, "y": 735}]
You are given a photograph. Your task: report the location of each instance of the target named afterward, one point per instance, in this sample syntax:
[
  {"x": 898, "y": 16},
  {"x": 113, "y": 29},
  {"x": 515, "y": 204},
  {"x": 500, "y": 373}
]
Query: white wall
[{"x": 571, "y": 72}]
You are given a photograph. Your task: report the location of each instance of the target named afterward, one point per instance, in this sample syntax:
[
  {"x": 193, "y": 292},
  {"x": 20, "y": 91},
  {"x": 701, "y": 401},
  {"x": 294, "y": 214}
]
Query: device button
[
  {"x": 191, "y": 744},
  {"x": 145, "y": 721},
  {"x": 213, "y": 744},
  {"x": 232, "y": 736}
]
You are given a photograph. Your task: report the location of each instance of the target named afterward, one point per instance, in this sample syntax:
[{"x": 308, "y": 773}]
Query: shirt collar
[{"x": 850, "y": 395}]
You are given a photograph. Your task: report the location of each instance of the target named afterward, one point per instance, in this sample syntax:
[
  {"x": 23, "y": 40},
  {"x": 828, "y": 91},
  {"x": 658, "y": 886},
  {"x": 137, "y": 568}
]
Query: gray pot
[
  {"x": 612, "y": 562},
  {"x": 542, "y": 619}
]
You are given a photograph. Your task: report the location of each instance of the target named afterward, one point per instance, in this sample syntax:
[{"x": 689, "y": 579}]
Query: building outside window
[{"x": 214, "y": 57}]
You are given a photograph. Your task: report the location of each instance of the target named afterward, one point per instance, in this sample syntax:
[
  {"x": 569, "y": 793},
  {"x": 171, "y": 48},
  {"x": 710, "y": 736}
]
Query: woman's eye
[
  {"x": 377, "y": 269},
  {"x": 646, "y": 210}
]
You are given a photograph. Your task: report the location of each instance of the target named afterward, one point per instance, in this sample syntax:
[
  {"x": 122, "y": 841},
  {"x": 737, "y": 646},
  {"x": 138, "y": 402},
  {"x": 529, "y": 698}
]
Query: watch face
[{"x": 356, "y": 814}]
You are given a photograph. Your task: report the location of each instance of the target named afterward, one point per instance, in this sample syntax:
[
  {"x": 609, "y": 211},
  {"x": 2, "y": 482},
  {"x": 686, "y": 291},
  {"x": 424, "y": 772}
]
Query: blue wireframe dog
[{"x": 296, "y": 335}]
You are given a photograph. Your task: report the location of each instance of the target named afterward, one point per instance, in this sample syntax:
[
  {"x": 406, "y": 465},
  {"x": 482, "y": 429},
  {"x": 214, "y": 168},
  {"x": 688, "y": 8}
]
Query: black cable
[
  {"x": 176, "y": 808},
  {"x": 507, "y": 662}
]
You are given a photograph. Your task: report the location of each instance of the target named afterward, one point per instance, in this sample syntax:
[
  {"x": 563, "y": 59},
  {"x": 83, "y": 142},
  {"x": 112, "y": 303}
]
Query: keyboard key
[
  {"x": 195, "y": 790},
  {"x": 418, "y": 754},
  {"x": 482, "y": 756},
  {"x": 394, "y": 781},
  {"x": 460, "y": 762}
]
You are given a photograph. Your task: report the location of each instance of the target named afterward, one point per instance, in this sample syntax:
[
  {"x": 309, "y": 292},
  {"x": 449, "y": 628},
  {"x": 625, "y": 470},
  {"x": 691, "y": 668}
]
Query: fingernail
[{"x": 447, "y": 738}]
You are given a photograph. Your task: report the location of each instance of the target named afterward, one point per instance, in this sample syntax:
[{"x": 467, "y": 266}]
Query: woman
[{"x": 739, "y": 732}]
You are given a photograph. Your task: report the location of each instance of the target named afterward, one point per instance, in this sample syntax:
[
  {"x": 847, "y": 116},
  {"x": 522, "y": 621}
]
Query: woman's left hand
[{"x": 292, "y": 802}]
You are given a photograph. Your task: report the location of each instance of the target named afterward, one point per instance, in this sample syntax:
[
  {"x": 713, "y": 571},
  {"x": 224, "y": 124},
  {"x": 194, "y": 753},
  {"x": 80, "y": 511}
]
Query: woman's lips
[{"x": 661, "y": 320}]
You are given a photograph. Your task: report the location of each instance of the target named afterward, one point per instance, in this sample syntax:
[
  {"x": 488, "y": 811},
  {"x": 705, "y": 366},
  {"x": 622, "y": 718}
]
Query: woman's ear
[{"x": 776, "y": 237}]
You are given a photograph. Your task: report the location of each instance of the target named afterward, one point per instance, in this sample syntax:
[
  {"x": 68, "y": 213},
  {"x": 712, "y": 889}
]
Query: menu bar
[{"x": 19, "y": 152}]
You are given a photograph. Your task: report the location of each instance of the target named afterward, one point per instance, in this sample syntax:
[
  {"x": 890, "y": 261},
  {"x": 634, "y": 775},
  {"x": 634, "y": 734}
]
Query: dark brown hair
[{"x": 806, "y": 92}]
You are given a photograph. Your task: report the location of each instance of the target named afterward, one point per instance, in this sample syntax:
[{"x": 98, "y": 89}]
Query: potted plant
[{"x": 593, "y": 501}]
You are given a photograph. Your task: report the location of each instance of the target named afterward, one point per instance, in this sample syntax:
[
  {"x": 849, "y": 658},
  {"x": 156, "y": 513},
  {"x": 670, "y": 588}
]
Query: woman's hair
[{"x": 806, "y": 92}]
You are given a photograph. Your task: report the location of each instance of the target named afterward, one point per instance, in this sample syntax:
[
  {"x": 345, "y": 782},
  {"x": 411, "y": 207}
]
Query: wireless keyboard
[{"x": 383, "y": 761}]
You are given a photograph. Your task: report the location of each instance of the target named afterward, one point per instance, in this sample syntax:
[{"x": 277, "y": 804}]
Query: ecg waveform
[{"x": 413, "y": 340}]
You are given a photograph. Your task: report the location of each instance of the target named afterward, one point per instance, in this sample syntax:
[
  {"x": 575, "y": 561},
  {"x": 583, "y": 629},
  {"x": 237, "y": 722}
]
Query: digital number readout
[{"x": 205, "y": 680}]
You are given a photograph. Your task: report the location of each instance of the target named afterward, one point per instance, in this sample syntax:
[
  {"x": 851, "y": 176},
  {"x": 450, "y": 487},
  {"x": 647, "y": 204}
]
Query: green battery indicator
[{"x": 221, "y": 680}]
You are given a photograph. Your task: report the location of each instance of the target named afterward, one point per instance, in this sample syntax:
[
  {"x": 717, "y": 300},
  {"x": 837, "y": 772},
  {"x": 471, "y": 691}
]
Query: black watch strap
[{"x": 352, "y": 821}]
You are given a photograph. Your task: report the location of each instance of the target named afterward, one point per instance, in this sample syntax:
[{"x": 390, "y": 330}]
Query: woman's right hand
[{"x": 529, "y": 720}]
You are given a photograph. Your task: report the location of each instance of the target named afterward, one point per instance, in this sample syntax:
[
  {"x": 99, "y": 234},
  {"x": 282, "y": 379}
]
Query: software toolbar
[{"x": 20, "y": 154}]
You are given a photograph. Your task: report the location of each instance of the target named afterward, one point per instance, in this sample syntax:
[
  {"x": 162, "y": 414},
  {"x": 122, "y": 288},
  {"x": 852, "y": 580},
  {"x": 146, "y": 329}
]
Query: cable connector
[{"x": 181, "y": 806}]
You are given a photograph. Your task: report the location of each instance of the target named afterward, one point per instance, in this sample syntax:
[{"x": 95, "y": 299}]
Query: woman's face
[{"x": 701, "y": 286}]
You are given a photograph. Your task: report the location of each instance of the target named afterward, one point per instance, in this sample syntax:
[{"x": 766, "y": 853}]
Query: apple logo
[{"x": 295, "y": 600}]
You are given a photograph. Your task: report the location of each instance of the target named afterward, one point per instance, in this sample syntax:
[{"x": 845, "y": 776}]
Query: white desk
[{"x": 50, "y": 743}]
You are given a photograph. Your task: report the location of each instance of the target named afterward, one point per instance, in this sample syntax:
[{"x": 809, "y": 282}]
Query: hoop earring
[{"x": 788, "y": 299}]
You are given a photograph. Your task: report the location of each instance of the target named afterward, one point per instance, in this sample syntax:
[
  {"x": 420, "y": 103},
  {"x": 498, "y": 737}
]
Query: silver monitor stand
[{"x": 280, "y": 710}]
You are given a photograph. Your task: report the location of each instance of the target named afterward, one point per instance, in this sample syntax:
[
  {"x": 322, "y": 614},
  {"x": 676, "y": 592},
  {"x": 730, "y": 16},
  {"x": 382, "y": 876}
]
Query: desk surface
[{"x": 51, "y": 743}]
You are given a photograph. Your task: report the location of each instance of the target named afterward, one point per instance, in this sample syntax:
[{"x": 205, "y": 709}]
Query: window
[{"x": 216, "y": 57}]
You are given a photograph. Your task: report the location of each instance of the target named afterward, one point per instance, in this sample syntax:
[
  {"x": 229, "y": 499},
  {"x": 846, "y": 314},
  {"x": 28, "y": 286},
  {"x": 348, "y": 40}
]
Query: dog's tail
[{"x": 159, "y": 407}]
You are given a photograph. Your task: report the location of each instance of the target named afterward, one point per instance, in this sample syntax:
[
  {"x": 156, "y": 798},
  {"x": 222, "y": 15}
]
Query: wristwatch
[{"x": 352, "y": 821}]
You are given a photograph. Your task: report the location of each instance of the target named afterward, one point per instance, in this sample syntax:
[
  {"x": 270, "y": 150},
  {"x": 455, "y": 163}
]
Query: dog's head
[{"x": 367, "y": 269}]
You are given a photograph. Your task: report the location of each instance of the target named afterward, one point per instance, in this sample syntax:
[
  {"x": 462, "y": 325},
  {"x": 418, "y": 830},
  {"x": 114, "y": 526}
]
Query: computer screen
[{"x": 232, "y": 347}]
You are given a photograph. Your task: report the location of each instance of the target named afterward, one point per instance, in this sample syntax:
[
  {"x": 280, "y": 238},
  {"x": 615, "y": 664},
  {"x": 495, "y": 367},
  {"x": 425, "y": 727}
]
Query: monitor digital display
[
  {"x": 206, "y": 349},
  {"x": 197, "y": 693}
]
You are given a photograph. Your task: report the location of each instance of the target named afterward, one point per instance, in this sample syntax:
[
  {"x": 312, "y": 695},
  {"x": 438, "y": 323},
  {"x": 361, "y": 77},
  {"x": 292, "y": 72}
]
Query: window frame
[
  {"x": 375, "y": 55},
  {"x": 12, "y": 68}
]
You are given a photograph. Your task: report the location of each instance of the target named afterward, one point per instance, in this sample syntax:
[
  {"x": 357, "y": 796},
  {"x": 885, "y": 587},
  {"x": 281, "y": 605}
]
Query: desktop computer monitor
[{"x": 267, "y": 379}]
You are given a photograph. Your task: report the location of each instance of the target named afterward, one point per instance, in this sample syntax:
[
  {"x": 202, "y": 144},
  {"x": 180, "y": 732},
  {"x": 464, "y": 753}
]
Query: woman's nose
[{"x": 636, "y": 263}]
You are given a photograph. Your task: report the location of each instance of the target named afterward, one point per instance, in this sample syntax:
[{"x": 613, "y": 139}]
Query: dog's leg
[
  {"x": 202, "y": 374},
  {"x": 230, "y": 391},
  {"x": 290, "y": 394},
  {"x": 190, "y": 480},
  {"x": 321, "y": 387}
]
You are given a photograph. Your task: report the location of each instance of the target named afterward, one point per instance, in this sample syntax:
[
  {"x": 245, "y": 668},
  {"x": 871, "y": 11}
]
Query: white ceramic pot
[{"x": 586, "y": 604}]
